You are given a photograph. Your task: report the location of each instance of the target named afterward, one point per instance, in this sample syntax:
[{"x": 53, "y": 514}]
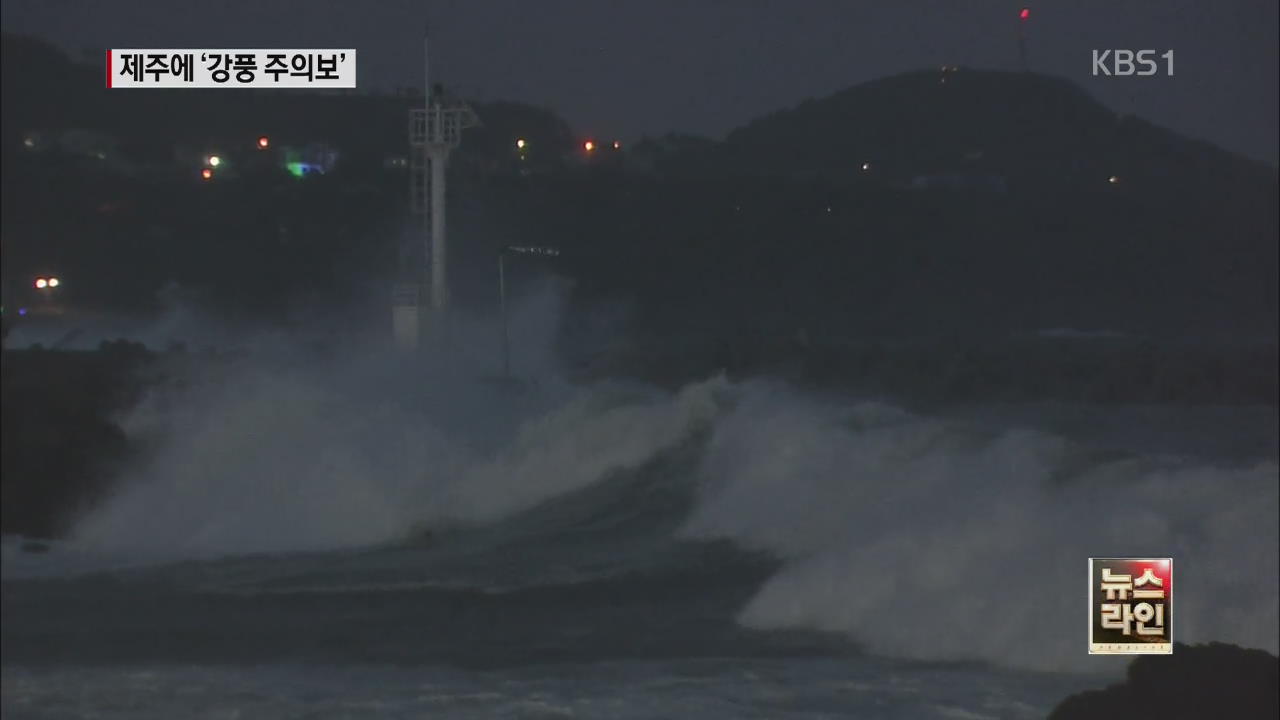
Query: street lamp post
[{"x": 502, "y": 295}]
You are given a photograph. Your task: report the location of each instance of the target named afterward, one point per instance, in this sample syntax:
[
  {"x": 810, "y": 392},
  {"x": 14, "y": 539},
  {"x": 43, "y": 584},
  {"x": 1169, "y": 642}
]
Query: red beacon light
[
  {"x": 206, "y": 174},
  {"x": 263, "y": 142},
  {"x": 1026, "y": 13},
  {"x": 589, "y": 146}
]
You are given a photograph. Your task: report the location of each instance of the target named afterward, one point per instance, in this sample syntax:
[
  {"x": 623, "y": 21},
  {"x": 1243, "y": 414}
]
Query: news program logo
[{"x": 1130, "y": 606}]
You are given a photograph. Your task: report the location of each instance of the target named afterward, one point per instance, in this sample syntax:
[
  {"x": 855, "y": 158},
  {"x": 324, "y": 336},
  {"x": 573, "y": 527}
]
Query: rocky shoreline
[{"x": 1214, "y": 680}]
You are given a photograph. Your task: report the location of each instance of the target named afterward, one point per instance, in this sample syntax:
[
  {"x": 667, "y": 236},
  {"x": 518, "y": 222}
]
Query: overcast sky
[{"x": 629, "y": 67}]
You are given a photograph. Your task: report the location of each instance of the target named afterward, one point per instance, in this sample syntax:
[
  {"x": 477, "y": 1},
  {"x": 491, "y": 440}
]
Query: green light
[{"x": 296, "y": 169}]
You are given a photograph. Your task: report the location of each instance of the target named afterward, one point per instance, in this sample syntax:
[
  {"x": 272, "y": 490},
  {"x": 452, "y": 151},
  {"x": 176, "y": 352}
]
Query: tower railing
[{"x": 440, "y": 125}]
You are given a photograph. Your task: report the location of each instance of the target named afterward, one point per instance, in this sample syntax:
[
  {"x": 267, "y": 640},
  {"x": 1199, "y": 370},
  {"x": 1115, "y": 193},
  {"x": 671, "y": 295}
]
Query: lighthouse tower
[{"x": 422, "y": 292}]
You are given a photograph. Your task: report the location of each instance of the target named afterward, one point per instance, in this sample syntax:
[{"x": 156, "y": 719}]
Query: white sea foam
[
  {"x": 923, "y": 539},
  {"x": 286, "y": 452},
  {"x": 918, "y": 537}
]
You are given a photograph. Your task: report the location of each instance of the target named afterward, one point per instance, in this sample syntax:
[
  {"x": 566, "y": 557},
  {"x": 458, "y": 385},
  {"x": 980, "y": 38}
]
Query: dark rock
[{"x": 1216, "y": 680}]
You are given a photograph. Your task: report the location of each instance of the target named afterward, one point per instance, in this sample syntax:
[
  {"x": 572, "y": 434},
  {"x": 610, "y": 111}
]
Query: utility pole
[{"x": 434, "y": 130}]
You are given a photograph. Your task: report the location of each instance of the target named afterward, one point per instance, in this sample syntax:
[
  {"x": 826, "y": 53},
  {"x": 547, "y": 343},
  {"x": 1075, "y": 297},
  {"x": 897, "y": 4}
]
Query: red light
[
  {"x": 1026, "y": 13},
  {"x": 617, "y": 145},
  {"x": 206, "y": 173},
  {"x": 263, "y": 142},
  {"x": 588, "y": 146}
]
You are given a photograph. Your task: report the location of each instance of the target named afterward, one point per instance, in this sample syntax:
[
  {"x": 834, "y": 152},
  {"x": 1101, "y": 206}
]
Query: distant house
[
  {"x": 233, "y": 157},
  {"x": 191, "y": 159},
  {"x": 311, "y": 159}
]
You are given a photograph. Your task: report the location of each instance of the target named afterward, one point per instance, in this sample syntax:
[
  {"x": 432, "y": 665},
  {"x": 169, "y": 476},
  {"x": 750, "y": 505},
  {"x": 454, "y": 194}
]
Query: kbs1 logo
[
  {"x": 1130, "y": 606},
  {"x": 1123, "y": 63}
]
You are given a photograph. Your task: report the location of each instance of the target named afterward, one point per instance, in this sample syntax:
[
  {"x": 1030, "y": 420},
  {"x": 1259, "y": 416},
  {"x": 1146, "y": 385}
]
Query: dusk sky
[{"x": 626, "y": 68}]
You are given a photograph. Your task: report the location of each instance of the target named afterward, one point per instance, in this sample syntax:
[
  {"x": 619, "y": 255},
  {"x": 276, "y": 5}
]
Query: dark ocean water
[{"x": 295, "y": 548}]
